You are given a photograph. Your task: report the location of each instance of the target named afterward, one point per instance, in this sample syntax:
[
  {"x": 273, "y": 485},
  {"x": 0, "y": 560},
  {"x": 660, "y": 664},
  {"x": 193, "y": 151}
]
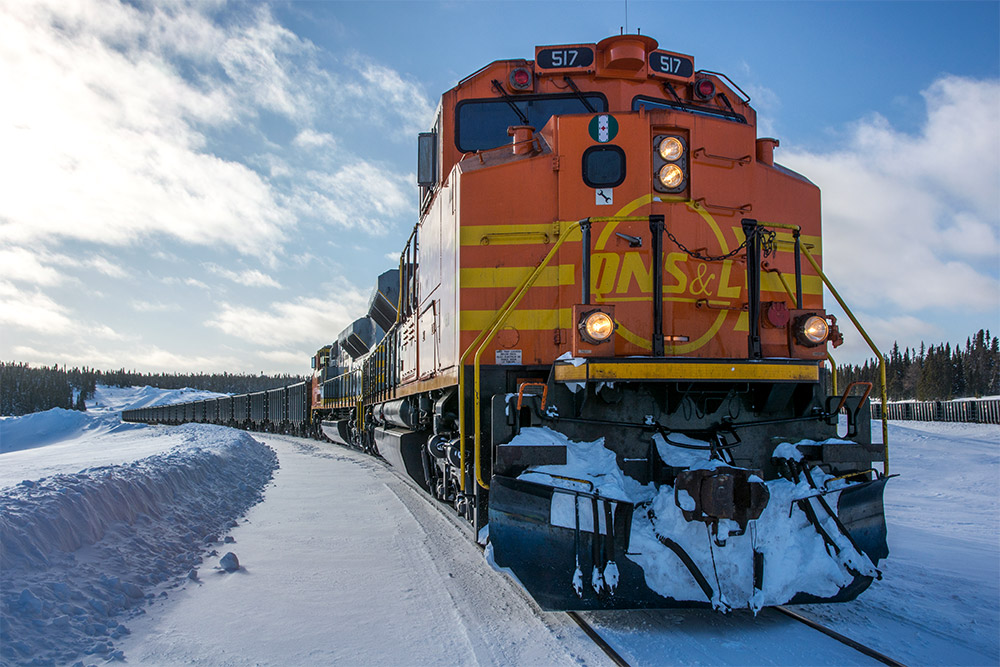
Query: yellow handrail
[
  {"x": 486, "y": 336},
  {"x": 482, "y": 340},
  {"x": 874, "y": 348},
  {"x": 833, "y": 368}
]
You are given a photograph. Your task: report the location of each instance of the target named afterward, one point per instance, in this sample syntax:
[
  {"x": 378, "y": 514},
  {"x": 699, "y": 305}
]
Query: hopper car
[{"x": 605, "y": 345}]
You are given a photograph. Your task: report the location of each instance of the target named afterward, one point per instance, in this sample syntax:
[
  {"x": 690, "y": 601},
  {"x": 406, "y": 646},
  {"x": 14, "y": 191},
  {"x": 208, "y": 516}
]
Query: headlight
[
  {"x": 671, "y": 149},
  {"x": 812, "y": 330},
  {"x": 671, "y": 176},
  {"x": 596, "y": 326}
]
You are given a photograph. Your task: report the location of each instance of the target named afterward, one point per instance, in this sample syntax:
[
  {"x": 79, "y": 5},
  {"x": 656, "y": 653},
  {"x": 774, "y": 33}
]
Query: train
[{"x": 605, "y": 345}]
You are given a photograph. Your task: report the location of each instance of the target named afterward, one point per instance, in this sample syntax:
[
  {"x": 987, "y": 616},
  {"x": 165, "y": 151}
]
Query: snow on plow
[{"x": 586, "y": 536}]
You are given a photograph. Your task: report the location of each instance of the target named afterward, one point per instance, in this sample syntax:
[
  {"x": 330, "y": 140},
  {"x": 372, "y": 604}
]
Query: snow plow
[{"x": 583, "y": 536}]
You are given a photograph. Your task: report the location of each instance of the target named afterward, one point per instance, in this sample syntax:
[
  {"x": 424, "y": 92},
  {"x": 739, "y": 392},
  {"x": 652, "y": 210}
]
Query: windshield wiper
[
  {"x": 510, "y": 100},
  {"x": 572, "y": 84}
]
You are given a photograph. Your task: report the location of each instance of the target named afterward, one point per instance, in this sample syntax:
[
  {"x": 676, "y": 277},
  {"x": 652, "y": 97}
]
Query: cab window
[{"x": 482, "y": 124}]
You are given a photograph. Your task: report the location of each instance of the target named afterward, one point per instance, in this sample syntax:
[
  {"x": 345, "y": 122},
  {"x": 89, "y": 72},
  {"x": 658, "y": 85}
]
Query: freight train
[{"x": 605, "y": 345}]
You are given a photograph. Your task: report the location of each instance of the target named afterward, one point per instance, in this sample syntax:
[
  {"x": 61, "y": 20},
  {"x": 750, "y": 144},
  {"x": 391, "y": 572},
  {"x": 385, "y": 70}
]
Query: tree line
[
  {"x": 938, "y": 372},
  {"x": 935, "y": 373},
  {"x": 25, "y": 389}
]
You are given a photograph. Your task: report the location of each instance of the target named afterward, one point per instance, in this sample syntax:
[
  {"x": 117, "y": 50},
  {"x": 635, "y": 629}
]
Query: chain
[{"x": 767, "y": 237}]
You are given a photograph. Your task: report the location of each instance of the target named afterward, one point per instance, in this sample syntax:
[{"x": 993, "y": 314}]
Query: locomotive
[{"x": 603, "y": 347}]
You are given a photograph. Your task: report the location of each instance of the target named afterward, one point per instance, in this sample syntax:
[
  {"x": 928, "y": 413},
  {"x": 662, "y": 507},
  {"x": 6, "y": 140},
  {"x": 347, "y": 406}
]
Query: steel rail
[
  {"x": 833, "y": 634},
  {"x": 602, "y": 643}
]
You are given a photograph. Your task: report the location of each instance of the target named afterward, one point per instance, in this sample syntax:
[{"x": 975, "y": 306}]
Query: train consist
[{"x": 604, "y": 345}]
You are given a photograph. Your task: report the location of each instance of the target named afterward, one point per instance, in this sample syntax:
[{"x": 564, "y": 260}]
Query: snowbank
[
  {"x": 42, "y": 428},
  {"x": 130, "y": 398},
  {"x": 83, "y": 552},
  {"x": 102, "y": 416}
]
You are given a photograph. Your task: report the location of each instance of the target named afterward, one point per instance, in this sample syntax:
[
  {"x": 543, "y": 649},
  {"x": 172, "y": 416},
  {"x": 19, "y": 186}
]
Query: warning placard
[{"x": 508, "y": 357}]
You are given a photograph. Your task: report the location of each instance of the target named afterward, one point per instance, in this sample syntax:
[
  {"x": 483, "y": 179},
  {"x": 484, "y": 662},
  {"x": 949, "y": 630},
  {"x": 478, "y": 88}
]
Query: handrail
[
  {"x": 482, "y": 340},
  {"x": 486, "y": 336},
  {"x": 871, "y": 344}
]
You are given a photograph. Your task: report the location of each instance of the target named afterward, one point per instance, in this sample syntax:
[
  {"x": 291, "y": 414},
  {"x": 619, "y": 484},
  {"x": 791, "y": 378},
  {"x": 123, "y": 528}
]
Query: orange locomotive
[{"x": 603, "y": 346}]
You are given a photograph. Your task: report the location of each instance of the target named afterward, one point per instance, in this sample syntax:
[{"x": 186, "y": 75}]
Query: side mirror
[{"x": 427, "y": 159}]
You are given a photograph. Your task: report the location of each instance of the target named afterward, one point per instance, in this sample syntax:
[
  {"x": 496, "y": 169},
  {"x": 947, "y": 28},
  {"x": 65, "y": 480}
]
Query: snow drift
[{"x": 149, "y": 522}]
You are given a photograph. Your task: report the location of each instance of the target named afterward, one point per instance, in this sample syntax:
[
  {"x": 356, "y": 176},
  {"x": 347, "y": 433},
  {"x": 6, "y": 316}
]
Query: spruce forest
[
  {"x": 932, "y": 373},
  {"x": 935, "y": 373}
]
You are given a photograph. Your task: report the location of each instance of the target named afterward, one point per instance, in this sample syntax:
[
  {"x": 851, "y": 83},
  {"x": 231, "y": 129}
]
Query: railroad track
[
  {"x": 602, "y": 643},
  {"x": 616, "y": 657},
  {"x": 847, "y": 641},
  {"x": 596, "y": 637}
]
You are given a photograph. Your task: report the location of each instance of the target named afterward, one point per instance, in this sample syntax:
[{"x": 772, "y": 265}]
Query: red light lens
[
  {"x": 521, "y": 77},
  {"x": 705, "y": 88}
]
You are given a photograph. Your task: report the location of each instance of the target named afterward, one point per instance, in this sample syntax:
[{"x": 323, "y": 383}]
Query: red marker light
[
  {"x": 520, "y": 78},
  {"x": 704, "y": 88}
]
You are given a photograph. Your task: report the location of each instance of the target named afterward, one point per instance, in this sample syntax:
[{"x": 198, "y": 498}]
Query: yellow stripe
[
  {"x": 513, "y": 234},
  {"x": 785, "y": 241},
  {"x": 522, "y": 320},
  {"x": 596, "y": 371},
  {"x": 770, "y": 282},
  {"x": 513, "y": 276},
  {"x": 555, "y": 276}
]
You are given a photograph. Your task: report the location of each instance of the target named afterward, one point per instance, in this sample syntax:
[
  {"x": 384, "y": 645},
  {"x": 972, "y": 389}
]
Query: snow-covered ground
[{"x": 112, "y": 537}]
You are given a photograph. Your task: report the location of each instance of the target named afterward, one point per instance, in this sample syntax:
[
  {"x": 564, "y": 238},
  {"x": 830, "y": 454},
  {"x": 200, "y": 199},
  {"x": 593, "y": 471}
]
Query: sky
[{"x": 213, "y": 186}]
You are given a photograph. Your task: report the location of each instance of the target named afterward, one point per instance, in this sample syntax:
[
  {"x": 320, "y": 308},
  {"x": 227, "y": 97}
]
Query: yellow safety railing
[
  {"x": 871, "y": 344},
  {"x": 486, "y": 336},
  {"x": 881, "y": 360}
]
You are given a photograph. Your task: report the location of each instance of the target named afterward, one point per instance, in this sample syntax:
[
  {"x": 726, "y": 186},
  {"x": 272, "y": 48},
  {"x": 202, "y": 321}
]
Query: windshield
[{"x": 482, "y": 124}]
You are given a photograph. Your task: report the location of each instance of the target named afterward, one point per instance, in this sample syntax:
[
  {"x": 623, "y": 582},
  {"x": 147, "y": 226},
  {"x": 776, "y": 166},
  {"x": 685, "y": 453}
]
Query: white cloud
[
  {"x": 883, "y": 329},
  {"x": 152, "y": 307},
  {"x": 159, "y": 126},
  {"x": 359, "y": 195},
  {"x": 397, "y": 97},
  {"x": 145, "y": 358},
  {"x": 34, "y": 312},
  {"x": 288, "y": 358},
  {"x": 912, "y": 222},
  {"x": 190, "y": 282},
  {"x": 153, "y": 358},
  {"x": 106, "y": 267},
  {"x": 304, "y": 320},
  {"x": 254, "y": 58},
  {"x": 112, "y": 127},
  {"x": 105, "y": 117},
  {"x": 248, "y": 277},
  {"x": 37, "y": 266},
  {"x": 25, "y": 266},
  {"x": 310, "y": 138}
]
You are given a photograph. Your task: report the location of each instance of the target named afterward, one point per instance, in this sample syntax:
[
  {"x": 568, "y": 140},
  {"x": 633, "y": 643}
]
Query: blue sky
[{"x": 214, "y": 186}]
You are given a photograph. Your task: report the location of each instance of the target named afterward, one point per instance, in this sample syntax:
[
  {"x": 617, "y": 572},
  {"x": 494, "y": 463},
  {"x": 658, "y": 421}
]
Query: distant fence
[{"x": 976, "y": 410}]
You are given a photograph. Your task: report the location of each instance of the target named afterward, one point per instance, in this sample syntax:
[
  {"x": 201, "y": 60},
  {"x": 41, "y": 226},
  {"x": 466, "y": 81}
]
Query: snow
[
  {"x": 112, "y": 549},
  {"x": 796, "y": 558}
]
